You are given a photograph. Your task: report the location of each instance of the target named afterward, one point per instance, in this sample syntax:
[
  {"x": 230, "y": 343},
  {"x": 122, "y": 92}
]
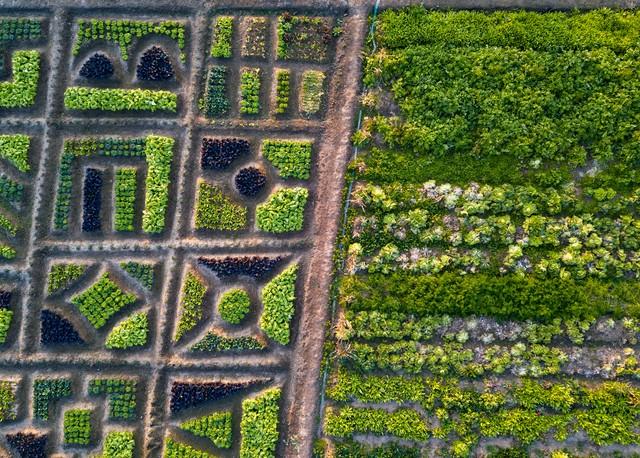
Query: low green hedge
[
  {"x": 21, "y": 91},
  {"x": 15, "y": 149},
  {"x": 46, "y": 391},
  {"x": 283, "y": 211},
  {"x": 259, "y": 425},
  {"x": 90, "y": 98},
  {"x": 278, "y": 298}
]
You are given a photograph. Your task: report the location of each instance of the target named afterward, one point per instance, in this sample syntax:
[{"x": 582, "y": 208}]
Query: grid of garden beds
[
  {"x": 158, "y": 178},
  {"x": 488, "y": 304}
]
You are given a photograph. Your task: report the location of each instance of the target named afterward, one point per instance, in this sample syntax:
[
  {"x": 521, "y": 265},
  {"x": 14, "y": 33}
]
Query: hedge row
[
  {"x": 105, "y": 99},
  {"x": 6, "y": 316},
  {"x": 213, "y": 342},
  {"x": 504, "y": 297},
  {"x": 19, "y": 29},
  {"x": 278, "y": 298},
  {"x": 21, "y": 91}
]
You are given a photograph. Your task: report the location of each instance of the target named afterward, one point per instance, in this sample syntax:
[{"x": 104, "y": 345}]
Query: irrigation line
[{"x": 347, "y": 206}]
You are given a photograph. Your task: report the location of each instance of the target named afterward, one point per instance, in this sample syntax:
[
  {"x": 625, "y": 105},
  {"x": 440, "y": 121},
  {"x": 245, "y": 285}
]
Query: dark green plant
[
  {"x": 215, "y": 102},
  {"x": 142, "y": 272},
  {"x": 213, "y": 342},
  {"x": 46, "y": 391},
  {"x": 63, "y": 274}
]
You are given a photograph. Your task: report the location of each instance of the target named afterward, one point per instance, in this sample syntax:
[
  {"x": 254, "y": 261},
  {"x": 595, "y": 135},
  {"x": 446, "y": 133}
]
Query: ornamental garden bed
[{"x": 157, "y": 214}]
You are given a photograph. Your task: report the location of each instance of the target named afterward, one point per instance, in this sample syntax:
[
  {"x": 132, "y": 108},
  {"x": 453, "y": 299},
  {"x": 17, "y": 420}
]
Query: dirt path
[{"x": 302, "y": 404}]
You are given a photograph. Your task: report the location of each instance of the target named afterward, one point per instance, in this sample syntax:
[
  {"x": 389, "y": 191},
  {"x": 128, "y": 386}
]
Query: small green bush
[
  {"x": 250, "y": 91},
  {"x": 159, "y": 154},
  {"x": 283, "y": 211},
  {"x": 312, "y": 91},
  {"x": 106, "y": 99},
  {"x": 278, "y": 298},
  {"x": 131, "y": 332},
  {"x": 125, "y": 200},
  {"x": 222, "y": 36},
  {"x": 15, "y": 149},
  {"x": 234, "y": 305},
  {"x": 63, "y": 274},
  {"x": 8, "y": 226},
  {"x": 216, "y": 427},
  {"x": 259, "y": 425},
  {"x": 77, "y": 427},
  {"x": 119, "y": 444},
  {"x": 21, "y": 91},
  {"x": 46, "y": 391},
  {"x": 215, "y": 211},
  {"x": 292, "y": 158},
  {"x": 102, "y": 300},
  {"x": 191, "y": 304},
  {"x": 7, "y": 252}
]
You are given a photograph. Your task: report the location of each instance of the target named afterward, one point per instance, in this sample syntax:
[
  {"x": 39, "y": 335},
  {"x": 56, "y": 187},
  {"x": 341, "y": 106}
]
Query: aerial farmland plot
[{"x": 328, "y": 229}]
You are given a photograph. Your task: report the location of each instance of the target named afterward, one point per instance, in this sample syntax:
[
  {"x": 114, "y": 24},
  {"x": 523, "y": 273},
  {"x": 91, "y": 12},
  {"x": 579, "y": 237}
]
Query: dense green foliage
[
  {"x": 102, "y": 300},
  {"x": 504, "y": 297},
  {"x": 131, "y": 332},
  {"x": 250, "y": 91},
  {"x": 191, "y": 304},
  {"x": 216, "y": 427},
  {"x": 292, "y": 158},
  {"x": 174, "y": 449},
  {"x": 216, "y": 211},
  {"x": 259, "y": 425},
  {"x": 222, "y": 37},
  {"x": 20, "y": 92},
  {"x": 121, "y": 393},
  {"x": 234, "y": 305},
  {"x": 106, "y": 99},
  {"x": 6, "y": 317},
  {"x": 215, "y": 101},
  {"x": 159, "y": 154},
  {"x": 311, "y": 91},
  {"x": 283, "y": 90},
  {"x": 124, "y": 31},
  {"x": 77, "y": 427},
  {"x": 15, "y": 149},
  {"x": 125, "y": 200},
  {"x": 19, "y": 29},
  {"x": 283, "y": 211},
  {"x": 142, "y": 272},
  {"x": 46, "y": 391},
  {"x": 63, "y": 274},
  {"x": 8, "y": 405},
  {"x": 119, "y": 444},
  {"x": 213, "y": 342},
  {"x": 278, "y": 299}
]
